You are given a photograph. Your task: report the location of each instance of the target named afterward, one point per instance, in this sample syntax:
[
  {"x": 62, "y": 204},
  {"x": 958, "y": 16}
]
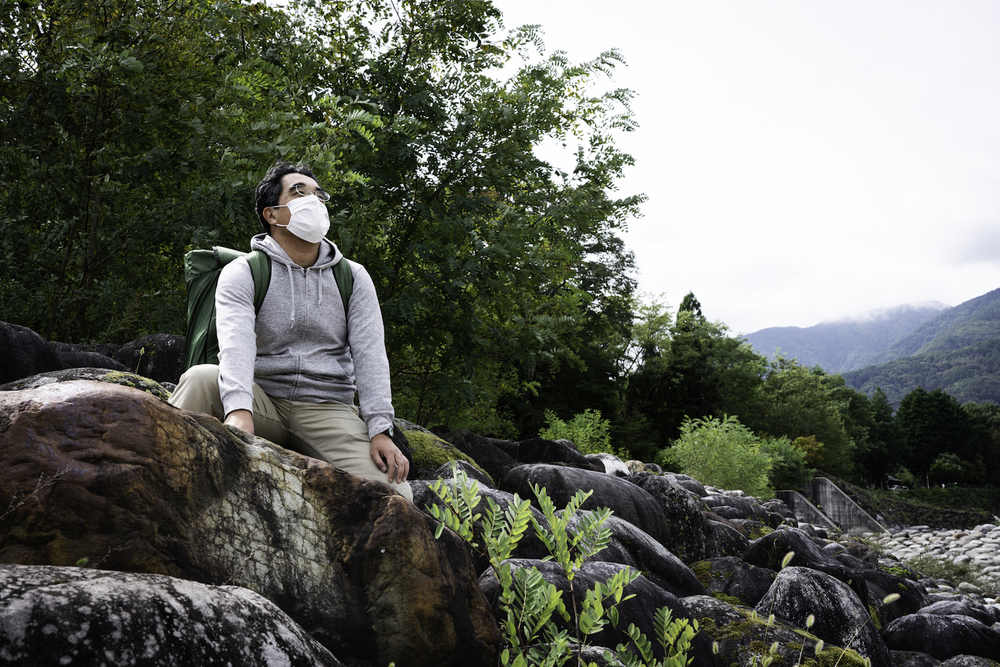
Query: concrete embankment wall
[
  {"x": 840, "y": 508},
  {"x": 804, "y": 510}
]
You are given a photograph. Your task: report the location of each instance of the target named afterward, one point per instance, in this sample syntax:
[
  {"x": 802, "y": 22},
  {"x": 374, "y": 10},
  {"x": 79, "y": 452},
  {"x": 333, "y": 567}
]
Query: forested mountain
[
  {"x": 975, "y": 321},
  {"x": 846, "y": 345},
  {"x": 968, "y": 374}
]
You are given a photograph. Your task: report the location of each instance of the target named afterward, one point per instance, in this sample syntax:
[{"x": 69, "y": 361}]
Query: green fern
[{"x": 528, "y": 602}]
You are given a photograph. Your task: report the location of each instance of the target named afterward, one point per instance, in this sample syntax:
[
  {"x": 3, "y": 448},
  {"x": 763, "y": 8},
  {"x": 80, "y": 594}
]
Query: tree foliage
[
  {"x": 690, "y": 369},
  {"x": 797, "y": 402},
  {"x": 132, "y": 132}
]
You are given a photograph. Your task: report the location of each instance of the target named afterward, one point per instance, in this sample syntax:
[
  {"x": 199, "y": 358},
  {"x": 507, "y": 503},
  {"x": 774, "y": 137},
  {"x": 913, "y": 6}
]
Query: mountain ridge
[{"x": 898, "y": 349}]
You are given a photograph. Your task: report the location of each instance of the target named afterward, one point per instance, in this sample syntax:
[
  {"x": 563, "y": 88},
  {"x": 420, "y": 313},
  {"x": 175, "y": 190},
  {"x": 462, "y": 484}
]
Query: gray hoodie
[{"x": 299, "y": 346}]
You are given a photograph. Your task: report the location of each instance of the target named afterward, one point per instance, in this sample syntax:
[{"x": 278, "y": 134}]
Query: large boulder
[
  {"x": 744, "y": 637},
  {"x": 685, "y": 514},
  {"x": 122, "y": 378},
  {"x": 735, "y": 579},
  {"x": 71, "y": 615},
  {"x": 159, "y": 357},
  {"x": 85, "y": 356},
  {"x": 121, "y": 478},
  {"x": 24, "y": 353},
  {"x": 943, "y": 637},
  {"x": 770, "y": 550},
  {"x": 486, "y": 452},
  {"x": 627, "y": 501},
  {"x": 841, "y": 618},
  {"x": 633, "y": 547}
]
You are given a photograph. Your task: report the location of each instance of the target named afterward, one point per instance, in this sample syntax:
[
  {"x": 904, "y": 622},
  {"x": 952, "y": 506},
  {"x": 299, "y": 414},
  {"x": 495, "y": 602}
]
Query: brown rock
[{"x": 122, "y": 479}]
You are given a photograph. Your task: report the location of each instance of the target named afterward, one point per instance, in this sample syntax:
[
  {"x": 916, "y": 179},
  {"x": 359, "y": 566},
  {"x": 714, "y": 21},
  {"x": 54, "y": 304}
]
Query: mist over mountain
[
  {"x": 846, "y": 344},
  {"x": 927, "y": 345}
]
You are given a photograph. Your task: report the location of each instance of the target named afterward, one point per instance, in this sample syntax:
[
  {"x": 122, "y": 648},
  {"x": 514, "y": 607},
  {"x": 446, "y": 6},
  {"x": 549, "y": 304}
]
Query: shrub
[
  {"x": 586, "y": 430},
  {"x": 788, "y": 464},
  {"x": 723, "y": 453}
]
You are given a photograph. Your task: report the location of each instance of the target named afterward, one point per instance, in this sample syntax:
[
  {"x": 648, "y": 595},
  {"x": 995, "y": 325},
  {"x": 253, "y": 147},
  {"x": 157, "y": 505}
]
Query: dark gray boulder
[
  {"x": 70, "y": 615},
  {"x": 744, "y": 637},
  {"x": 969, "y": 661},
  {"x": 540, "y": 450},
  {"x": 769, "y": 551},
  {"x": 626, "y": 500},
  {"x": 841, "y": 618},
  {"x": 913, "y": 659},
  {"x": 735, "y": 578},
  {"x": 88, "y": 359},
  {"x": 881, "y": 584},
  {"x": 724, "y": 538},
  {"x": 159, "y": 357},
  {"x": 635, "y": 548},
  {"x": 943, "y": 637},
  {"x": 24, "y": 353},
  {"x": 486, "y": 452},
  {"x": 685, "y": 514},
  {"x": 960, "y": 607}
]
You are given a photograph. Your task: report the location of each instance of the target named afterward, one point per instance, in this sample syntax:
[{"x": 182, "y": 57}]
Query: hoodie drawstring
[{"x": 291, "y": 286}]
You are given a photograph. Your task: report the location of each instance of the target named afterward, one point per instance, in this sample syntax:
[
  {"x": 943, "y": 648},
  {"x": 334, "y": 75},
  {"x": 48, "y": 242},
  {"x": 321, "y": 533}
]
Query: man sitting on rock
[{"x": 289, "y": 373}]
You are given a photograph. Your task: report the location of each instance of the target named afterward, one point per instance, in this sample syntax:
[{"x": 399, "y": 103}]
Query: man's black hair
[{"x": 269, "y": 189}]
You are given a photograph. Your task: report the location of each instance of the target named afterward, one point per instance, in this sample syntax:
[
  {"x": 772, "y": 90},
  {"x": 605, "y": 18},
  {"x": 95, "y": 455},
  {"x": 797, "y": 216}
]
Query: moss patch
[
  {"x": 431, "y": 452},
  {"x": 136, "y": 382}
]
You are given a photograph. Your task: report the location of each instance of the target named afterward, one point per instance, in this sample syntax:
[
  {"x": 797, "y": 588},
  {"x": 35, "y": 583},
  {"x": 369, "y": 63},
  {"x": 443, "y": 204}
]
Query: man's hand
[
  {"x": 241, "y": 419},
  {"x": 388, "y": 458}
]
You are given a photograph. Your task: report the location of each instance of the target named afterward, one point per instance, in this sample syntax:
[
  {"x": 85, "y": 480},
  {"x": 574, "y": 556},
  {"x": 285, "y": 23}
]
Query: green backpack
[{"x": 201, "y": 273}]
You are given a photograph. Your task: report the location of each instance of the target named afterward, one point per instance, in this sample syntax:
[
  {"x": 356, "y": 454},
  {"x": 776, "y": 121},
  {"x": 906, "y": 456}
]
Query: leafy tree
[
  {"x": 884, "y": 452},
  {"x": 150, "y": 122},
  {"x": 723, "y": 453},
  {"x": 933, "y": 423},
  {"x": 487, "y": 258},
  {"x": 986, "y": 424},
  {"x": 128, "y": 133},
  {"x": 587, "y": 431},
  {"x": 693, "y": 370},
  {"x": 797, "y": 402}
]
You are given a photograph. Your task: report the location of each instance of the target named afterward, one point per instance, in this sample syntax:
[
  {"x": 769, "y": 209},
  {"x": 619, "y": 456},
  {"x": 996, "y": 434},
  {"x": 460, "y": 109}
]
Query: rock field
[{"x": 980, "y": 545}]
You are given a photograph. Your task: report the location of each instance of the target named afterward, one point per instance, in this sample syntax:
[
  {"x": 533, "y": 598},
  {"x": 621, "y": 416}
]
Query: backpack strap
[
  {"x": 345, "y": 280},
  {"x": 260, "y": 269}
]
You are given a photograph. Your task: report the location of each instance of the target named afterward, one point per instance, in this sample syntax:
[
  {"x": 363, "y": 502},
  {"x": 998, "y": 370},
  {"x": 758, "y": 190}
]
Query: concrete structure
[
  {"x": 840, "y": 508},
  {"x": 804, "y": 510}
]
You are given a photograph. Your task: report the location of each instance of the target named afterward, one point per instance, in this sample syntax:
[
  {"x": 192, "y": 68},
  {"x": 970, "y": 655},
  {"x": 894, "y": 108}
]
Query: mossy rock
[
  {"x": 123, "y": 378},
  {"x": 431, "y": 452}
]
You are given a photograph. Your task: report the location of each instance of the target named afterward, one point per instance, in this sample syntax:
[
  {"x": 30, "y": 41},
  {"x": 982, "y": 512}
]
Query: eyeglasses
[{"x": 299, "y": 190}]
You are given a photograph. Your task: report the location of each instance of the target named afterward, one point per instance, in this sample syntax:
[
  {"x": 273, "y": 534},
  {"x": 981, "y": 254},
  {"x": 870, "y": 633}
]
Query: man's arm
[{"x": 235, "y": 322}]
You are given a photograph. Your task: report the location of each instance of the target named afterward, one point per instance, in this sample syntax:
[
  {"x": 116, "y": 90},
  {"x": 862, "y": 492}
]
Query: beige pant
[{"x": 332, "y": 432}]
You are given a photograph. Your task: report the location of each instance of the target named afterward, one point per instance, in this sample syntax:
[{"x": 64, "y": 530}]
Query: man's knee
[{"x": 198, "y": 389}]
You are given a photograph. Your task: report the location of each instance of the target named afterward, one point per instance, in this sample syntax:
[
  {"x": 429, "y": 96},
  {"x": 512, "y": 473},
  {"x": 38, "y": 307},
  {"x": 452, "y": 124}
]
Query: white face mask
[{"x": 309, "y": 220}]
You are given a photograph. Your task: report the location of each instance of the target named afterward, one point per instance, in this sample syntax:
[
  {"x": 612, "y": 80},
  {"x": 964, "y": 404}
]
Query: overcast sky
[{"x": 804, "y": 160}]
